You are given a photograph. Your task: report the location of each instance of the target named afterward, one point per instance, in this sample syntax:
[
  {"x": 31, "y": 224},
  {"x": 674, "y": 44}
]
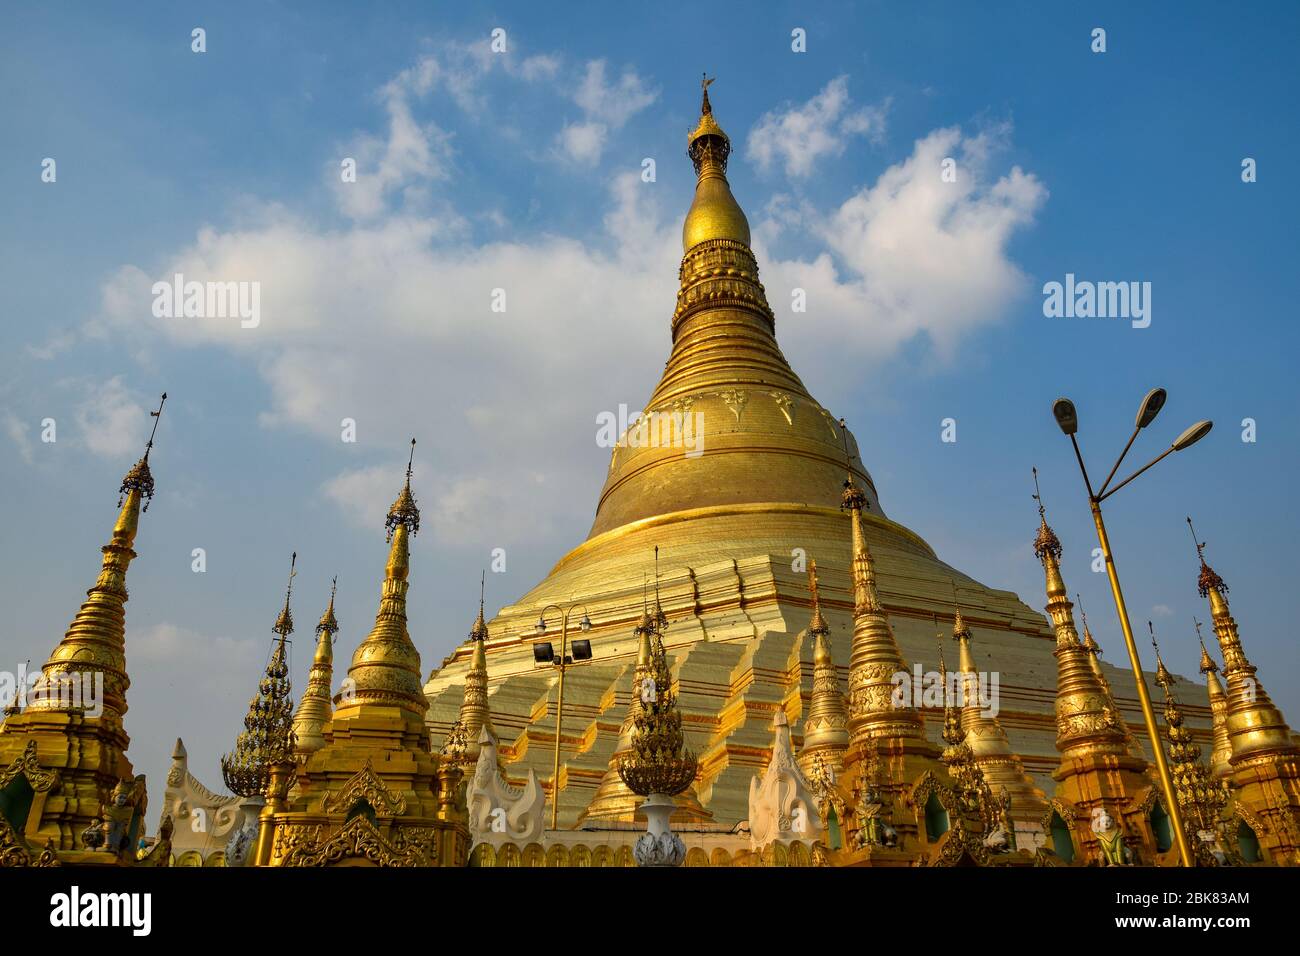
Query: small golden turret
[
  {"x": 315, "y": 709},
  {"x": 94, "y": 646},
  {"x": 385, "y": 670},
  {"x": 1199, "y": 797},
  {"x": 475, "y": 714},
  {"x": 1094, "y": 661},
  {"x": 658, "y": 762},
  {"x": 1098, "y": 776},
  {"x": 1265, "y": 761},
  {"x": 1000, "y": 764},
  {"x": 825, "y": 731},
  {"x": 875, "y": 657},
  {"x": 1086, "y": 720},
  {"x": 1221, "y": 755}
]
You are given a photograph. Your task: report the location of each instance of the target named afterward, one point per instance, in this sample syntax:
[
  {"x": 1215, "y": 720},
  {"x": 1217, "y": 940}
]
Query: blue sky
[{"x": 521, "y": 171}]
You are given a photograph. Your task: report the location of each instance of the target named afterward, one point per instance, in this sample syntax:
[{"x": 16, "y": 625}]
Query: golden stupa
[{"x": 736, "y": 526}]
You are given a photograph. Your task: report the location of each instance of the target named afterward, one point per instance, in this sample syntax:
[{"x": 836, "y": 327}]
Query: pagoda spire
[
  {"x": 1199, "y": 798},
  {"x": 385, "y": 670},
  {"x": 1221, "y": 755},
  {"x": 1097, "y": 773},
  {"x": 94, "y": 645},
  {"x": 1265, "y": 761},
  {"x": 1086, "y": 719},
  {"x": 1094, "y": 661},
  {"x": 315, "y": 709},
  {"x": 1001, "y": 765},
  {"x": 475, "y": 714},
  {"x": 267, "y": 740},
  {"x": 875, "y": 657},
  {"x": 825, "y": 731}
]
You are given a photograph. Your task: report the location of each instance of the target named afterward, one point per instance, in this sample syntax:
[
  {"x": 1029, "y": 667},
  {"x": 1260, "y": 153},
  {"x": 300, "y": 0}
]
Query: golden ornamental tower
[
  {"x": 1265, "y": 762},
  {"x": 1221, "y": 755},
  {"x": 1001, "y": 766},
  {"x": 1098, "y": 778},
  {"x": 825, "y": 731},
  {"x": 63, "y": 763},
  {"x": 267, "y": 740},
  {"x": 897, "y": 728},
  {"x": 1094, "y": 661},
  {"x": 475, "y": 714},
  {"x": 375, "y": 793},
  {"x": 1199, "y": 797},
  {"x": 315, "y": 708}
]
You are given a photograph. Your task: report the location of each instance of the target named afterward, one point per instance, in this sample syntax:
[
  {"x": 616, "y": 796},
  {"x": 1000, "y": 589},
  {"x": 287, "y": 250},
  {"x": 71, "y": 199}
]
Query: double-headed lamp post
[
  {"x": 544, "y": 653},
  {"x": 1068, "y": 419}
]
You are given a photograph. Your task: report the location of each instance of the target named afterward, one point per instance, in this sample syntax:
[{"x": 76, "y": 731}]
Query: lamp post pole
[
  {"x": 1067, "y": 419},
  {"x": 562, "y": 662}
]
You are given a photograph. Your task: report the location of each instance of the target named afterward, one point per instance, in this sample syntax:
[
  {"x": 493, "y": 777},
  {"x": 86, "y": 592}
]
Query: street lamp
[
  {"x": 544, "y": 654},
  {"x": 1068, "y": 419}
]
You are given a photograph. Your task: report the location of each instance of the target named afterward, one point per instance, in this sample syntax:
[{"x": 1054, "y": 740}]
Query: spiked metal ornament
[
  {"x": 268, "y": 737},
  {"x": 658, "y": 761}
]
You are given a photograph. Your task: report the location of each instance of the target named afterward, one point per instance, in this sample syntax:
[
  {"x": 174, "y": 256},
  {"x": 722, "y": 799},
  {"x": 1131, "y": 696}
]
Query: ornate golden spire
[
  {"x": 875, "y": 657},
  {"x": 94, "y": 645},
  {"x": 1086, "y": 720},
  {"x": 315, "y": 709},
  {"x": 1198, "y": 796},
  {"x": 825, "y": 731},
  {"x": 714, "y": 214},
  {"x": 267, "y": 740},
  {"x": 1221, "y": 755},
  {"x": 957, "y": 756},
  {"x": 1257, "y": 730},
  {"x": 1000, "y": 764},
  {"x": 1094, "y": 661},
  {"x": 475, "y": 714},
  {"x": 658, "y": 762},
  {"x": 385, "y": 670}
]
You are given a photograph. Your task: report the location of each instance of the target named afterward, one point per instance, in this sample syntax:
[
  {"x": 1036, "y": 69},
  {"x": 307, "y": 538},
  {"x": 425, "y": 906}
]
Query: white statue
[
  {"x": 782, "y": 807},
  {"x": 498, "y": 812}
]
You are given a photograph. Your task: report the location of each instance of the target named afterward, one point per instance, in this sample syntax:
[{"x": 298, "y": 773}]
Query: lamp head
[
  {"x": 543, "y": 653},
  {"x": 1065, "y": 415},
  {"x": 540, "y": 626},
  {"x": 1150, "y": 408},
  {"x": 585, "y": 623},
  {"x": 581, "y": 650},
  {"x": 1192, "y": 435}
]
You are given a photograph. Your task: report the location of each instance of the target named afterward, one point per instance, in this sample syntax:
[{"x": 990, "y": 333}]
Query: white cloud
[
  {"x": 111, "y": 421},
  {"x": 798, "y": 136},
  {"x": 389, "y": 322},
  {"x": 911, "y": 255},
  {"x": 16, "y": 429},
  {"x": 607, "y": 106}
]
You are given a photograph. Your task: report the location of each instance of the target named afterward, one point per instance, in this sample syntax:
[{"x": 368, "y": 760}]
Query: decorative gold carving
[
  {"x": 358, "y": 839},
  {"x": 365, "y": 785},
  {"x": 27, "y": 765}
]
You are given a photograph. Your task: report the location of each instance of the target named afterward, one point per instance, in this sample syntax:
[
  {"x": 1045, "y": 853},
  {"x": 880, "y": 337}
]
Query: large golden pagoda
[{"x": 736, "y": 526}]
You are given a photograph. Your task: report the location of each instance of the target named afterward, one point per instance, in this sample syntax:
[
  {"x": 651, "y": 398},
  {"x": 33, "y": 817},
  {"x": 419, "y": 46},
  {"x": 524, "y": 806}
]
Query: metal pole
[
  {"x": 559, "y": 717},
  {"x": 1148, "y": 714}
]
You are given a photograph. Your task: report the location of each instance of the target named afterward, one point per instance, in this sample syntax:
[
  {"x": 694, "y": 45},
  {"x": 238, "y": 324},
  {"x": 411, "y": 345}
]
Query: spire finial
[
  {"x": 943, "y": 667},
  {"x": 818, "y": 624},
  {"x": 404, "y": 512},
  {"x": 1163, "y": 677},
  {"x": 1045, "y": 542},
  {"x": 328, "y": 623},
  {"x": 852, "y": 497},
  {"x": 139, "y": 478},
  {"x": 284, "y": 623},
  {"x": 706, "y": 109},
  {"x": 1207, "y": 662},
  {"x": 1209, "y": 579}
]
